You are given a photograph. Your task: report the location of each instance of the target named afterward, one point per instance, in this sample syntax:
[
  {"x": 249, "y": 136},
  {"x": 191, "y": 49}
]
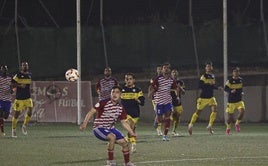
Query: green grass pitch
[{"x": 63, "y": 144}]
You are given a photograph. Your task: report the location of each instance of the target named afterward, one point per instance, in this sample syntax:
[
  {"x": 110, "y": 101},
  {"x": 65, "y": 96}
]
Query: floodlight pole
[
  {"x": 78, "y": 28},
  {"x": 225, "y": 56}
]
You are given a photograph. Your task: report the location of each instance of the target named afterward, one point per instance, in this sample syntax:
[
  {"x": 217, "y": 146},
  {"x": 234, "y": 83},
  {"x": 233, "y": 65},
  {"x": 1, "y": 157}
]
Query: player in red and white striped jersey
[
  {"x": 163, "y": 100},
  {"x": 108, "y": 112},
  {"x": 105, "y": 84},
  {"x": 5, "y": 96}
]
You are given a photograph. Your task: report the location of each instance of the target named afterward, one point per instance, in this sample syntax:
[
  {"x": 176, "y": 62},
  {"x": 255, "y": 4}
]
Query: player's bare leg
[
  {"x": 167, "y": 125},
  {"x": 131, "y": 138},
  {"x": 230, "y": 120},
  {"x": 26, "y": 121},
  {"x": 2, "y": 123},
  {"x": 240, "y": 116},
  {"x": 175, "y": 120},
  {"x": 212, "y": 118},
  {"x": 125, "y": 149},
  {"x": 14, "y": 124},
  {"x": 193, "y": 120},
  {"x": 110, "y": 149}
]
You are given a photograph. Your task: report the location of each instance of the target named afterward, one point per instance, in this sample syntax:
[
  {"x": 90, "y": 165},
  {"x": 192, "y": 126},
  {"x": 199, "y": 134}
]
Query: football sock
[
  {"x": 212, "y": 118},
  {"x": 159, "y": 126},
  {"x": 194, "y": 118},
  {"x": 2, "y": 124},
  {"x": 126, "y": 156},
  {"x": 110, "y": 154},
  {"x": 14, "y": 123},
  {"x": 228, "y": 126},
  {"x": 26, "y": 120},
  {"x": 237, "y": 122},
  {"x": 167, "y": 125}
]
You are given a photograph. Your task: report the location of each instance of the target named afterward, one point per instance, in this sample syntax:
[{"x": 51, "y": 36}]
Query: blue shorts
[
  {"x": 102, "y": 133},
  {"x": 5, "y": 105},
  {"x": 161, "y": 109}
]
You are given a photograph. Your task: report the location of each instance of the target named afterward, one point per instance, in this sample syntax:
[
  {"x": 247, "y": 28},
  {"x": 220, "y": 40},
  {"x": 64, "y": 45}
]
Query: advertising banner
[{"x": 56, "y": 101}]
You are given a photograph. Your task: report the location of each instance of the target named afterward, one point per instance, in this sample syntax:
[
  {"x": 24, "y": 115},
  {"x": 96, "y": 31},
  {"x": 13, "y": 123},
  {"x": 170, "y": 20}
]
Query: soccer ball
[{"x": 72, "y": 75}]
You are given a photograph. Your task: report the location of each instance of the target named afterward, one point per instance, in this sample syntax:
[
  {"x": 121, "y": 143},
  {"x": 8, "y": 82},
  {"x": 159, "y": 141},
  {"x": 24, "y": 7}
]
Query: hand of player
[
  {"x": 212, "y": 82},
  {"x": 138, "y": 101},
  {"x": 83, "y": 127},
  {"x": 233, "y": 91},
  {"x": 22, "y": 85},
  {"x": 133, "y": 134},
  {"x": 220, "y": 88}
]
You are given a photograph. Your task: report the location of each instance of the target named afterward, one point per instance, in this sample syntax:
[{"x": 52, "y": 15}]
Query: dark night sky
[{"x": 32, "y": 13}]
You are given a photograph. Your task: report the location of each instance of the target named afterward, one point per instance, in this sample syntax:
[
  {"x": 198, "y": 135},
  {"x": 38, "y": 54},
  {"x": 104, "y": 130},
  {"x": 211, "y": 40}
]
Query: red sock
[
  {"x": 126, "y": 156},
  {"x": 110, "y": 154},
  {"x": 167, "y": 125},
  {"x": 2, "y": 124}
]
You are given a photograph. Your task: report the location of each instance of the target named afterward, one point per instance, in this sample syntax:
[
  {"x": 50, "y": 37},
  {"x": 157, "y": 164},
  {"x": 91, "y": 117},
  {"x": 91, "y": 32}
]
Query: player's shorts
[
  {"x": 202, "y": 102},
  {"x": 161, "y": 109},
  {"x": 19, "y": 105},
  {"x": 102, "y": 133},
  {"x": 178, "y": 109},
  {"x": 5, "y": 105},
  {"x": 135, "y": 120},
  {"x": 231, "y": 107}
]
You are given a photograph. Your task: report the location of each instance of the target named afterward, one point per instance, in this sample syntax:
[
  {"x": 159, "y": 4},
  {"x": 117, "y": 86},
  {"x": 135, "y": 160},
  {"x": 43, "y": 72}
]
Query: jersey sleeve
[
  {"x": 123, "y": 115},
  {"x": 97, "y": 87},
  {"x": 227, "y": 87},
  {"x": 154, "y": 83},
  {"x": 141, "y": 97}
]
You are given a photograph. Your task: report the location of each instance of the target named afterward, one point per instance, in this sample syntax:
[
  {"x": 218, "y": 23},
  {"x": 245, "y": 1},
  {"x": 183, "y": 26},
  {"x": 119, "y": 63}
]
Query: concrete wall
[{"x": 255, "y": 99}]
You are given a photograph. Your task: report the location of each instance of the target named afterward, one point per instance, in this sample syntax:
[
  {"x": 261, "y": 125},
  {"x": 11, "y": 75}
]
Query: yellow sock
[
  {"x": 194, "y": 118},
  {"x": 237, "y": 122},
  {"x": 26, "y": 120},
  {"x": 228, "y": 126},
  {"x": 212, "y": 118},
  {"x": 14, "y": 123},
  {"x": 159, "y": 126}
]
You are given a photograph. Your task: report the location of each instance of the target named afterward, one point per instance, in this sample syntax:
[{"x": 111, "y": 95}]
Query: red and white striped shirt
[
  {"x": 5, "y": 83},
  {"x": 108, "y": 113},
  {"x": 162, "y": 88},
  {"x": 105, "y": 85}
]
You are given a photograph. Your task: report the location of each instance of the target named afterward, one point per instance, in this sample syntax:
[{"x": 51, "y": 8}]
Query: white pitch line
[{"x": 200, "y": 159}]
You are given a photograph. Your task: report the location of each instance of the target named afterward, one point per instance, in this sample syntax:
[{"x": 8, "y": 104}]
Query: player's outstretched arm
[
  {"x": 127, "y": 127},
  {"x": 87, "y": 118}
]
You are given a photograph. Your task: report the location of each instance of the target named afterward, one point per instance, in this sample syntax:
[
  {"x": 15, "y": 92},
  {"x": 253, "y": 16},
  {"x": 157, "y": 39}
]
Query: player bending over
[{"x": 107, "y": 113}]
